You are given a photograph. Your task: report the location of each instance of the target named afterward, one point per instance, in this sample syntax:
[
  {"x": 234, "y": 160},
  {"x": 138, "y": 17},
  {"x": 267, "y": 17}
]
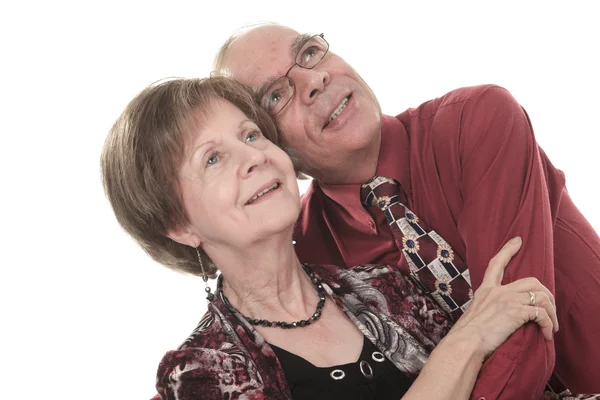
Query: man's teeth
[
  {"x": 263, "y": 192},
  {"x": 339, "y": 109}
]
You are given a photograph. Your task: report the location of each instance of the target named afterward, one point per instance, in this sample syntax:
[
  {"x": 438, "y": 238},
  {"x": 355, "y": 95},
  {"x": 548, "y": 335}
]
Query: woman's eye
[
  {"x": 252, "y": 136},
  {"x": 212, "y": 160}
]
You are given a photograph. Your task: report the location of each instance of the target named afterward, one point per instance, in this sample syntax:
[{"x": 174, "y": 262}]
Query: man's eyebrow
[
  {"x": 297, "y": 44},
  {"x": 300, "y": 41},
  {"x": 260, "y": 92}
]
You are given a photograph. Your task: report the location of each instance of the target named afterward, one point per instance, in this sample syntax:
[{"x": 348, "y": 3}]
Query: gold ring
[
  {"x": 537, "y": 313},
  {"x": 531, "y": 299}
]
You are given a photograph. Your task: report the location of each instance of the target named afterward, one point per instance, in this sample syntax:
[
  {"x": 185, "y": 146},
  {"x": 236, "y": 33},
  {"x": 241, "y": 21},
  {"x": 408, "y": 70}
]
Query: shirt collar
[{"x": 393, "y": 163}]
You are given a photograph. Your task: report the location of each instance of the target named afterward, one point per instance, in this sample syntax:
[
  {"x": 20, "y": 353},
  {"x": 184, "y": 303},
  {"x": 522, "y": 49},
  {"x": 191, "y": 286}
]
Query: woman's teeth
[{"x": 263, "y": 192}]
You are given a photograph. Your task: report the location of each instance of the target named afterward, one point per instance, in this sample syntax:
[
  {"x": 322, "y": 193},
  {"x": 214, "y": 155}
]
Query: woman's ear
[{"x": 184, "y": 235}]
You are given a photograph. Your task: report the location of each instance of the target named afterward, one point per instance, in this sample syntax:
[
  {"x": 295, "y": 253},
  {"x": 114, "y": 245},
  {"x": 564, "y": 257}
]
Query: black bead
[{"x": 286, "y": 325}]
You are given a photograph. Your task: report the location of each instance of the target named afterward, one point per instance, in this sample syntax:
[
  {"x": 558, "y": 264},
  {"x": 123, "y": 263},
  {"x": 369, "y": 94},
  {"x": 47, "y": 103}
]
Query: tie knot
[{"x": 379, "y": 192}]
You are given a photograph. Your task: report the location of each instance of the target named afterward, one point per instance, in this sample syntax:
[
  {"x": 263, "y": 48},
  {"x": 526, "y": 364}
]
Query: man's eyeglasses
[{"x": 279, "y": 94}]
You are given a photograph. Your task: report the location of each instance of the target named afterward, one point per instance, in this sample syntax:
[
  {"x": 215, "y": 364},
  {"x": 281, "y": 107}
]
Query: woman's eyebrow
[
  {"x": 244, "y": 121},
  {"x": 210, "y": 142}
]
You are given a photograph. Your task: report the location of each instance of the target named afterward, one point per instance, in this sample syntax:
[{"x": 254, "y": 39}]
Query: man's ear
[{"x": 184, "y": 235}]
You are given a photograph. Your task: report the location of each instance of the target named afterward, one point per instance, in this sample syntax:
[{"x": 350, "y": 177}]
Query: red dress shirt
[{"x": 473, "y": 171}]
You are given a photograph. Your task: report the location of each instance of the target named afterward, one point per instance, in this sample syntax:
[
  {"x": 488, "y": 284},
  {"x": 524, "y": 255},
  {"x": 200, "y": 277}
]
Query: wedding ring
[{"x": 531, "y": 299}]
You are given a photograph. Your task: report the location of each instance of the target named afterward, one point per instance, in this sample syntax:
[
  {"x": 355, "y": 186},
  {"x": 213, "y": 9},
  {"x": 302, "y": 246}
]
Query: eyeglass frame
[{"x": 291, "y": 82}]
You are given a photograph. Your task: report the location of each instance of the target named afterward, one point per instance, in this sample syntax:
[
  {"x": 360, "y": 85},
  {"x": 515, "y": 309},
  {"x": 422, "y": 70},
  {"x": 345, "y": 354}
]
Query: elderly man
[{"x": 454, "y": 179}]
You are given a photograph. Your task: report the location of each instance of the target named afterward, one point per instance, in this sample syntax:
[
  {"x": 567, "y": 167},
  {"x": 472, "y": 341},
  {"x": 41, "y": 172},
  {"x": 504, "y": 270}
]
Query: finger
[
  {"x": 550, "y": 296},
  {"x": 495, "y": 270},
  {"x": 541, "y": 299},
  {"x": 541, "y": 318},
  {"x": 530, "y": 284}
]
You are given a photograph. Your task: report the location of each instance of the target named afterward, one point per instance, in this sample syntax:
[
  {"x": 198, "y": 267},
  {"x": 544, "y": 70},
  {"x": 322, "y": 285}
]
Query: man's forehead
[
  {"x": 267, "y": 35},
  {"x": 264, "y": 54}
]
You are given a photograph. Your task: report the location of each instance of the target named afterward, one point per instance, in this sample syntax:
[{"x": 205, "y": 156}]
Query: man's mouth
[
  {"x": 263, "y": 192},
  {"x": 338, "y": 110}
]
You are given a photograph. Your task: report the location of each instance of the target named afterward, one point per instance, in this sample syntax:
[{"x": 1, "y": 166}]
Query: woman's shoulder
[
  {"x": 206, "y": 364},
  {"x": 206, "y": 344},
  {"x": 207, "y": 373}
]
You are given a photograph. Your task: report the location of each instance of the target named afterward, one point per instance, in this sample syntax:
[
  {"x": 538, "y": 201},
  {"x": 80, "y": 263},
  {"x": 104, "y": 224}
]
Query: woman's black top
[{"x": 372, "y": 377}]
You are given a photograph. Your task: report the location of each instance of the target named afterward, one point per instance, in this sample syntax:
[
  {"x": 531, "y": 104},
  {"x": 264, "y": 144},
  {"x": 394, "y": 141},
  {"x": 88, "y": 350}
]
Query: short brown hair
[
  {"x": 142, "y": 154},
  {"x": 299, "y": 162}
]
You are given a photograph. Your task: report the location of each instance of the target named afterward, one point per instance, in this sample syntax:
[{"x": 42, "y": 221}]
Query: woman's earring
[{"x": 209, "y": 295}]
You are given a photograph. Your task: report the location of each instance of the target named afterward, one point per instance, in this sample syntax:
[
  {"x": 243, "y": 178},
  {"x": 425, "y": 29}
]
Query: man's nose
[{"x": 309, "y": 83}]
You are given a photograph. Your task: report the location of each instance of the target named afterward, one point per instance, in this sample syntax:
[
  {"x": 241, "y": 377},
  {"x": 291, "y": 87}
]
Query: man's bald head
[
  {"x": 219, "y": 62},
  {"x": 333, "y": 116}
]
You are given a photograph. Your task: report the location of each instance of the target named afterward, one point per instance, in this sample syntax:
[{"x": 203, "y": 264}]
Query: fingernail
[{"x": 515, "y": 240}]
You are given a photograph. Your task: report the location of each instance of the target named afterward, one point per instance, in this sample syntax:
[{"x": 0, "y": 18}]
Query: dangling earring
[{"x": 209, "y": 295}]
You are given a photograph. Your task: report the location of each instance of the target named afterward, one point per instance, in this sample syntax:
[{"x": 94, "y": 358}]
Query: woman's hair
[{"x": 144, "y": 150}]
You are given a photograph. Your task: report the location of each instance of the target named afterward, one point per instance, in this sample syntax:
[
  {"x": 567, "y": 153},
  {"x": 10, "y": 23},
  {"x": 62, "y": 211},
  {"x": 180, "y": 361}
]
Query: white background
[{"x": 85, "y": 314}]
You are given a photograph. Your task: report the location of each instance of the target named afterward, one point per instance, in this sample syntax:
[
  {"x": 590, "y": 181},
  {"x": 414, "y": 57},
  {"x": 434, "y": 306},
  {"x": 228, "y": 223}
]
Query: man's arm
[{"x": 505, "y": 194}]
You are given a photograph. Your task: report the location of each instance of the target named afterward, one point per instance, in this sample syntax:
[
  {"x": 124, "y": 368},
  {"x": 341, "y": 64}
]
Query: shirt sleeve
[
  {"x": 505, "y": 194},
  {"x": 202, "y": 373}
]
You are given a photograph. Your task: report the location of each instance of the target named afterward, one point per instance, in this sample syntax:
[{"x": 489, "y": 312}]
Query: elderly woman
[{"x": 192, "y": 176}]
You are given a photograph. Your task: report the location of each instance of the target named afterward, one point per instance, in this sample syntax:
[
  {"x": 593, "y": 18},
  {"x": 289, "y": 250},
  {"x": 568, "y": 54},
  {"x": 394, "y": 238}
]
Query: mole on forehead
[{"x": 279, "y": 46}]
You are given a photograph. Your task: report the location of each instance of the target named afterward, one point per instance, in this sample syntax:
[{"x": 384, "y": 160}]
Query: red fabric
[{"x": 474, "y": 172}]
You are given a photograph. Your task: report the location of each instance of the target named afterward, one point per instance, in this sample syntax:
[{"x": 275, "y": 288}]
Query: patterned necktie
[{"x": 434, "y": 266}]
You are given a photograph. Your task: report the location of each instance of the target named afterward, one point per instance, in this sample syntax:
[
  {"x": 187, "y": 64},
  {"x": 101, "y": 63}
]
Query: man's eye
[
  {"x": 309, "y": 54},
  {"x": 275, "y": 97}
]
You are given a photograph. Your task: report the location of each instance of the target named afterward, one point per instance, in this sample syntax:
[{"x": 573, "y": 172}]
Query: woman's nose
[{"x": 253, "y": 159}]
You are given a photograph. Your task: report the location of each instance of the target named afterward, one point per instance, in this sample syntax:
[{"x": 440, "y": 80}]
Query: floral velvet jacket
[{"x": 226, "y": 358}]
